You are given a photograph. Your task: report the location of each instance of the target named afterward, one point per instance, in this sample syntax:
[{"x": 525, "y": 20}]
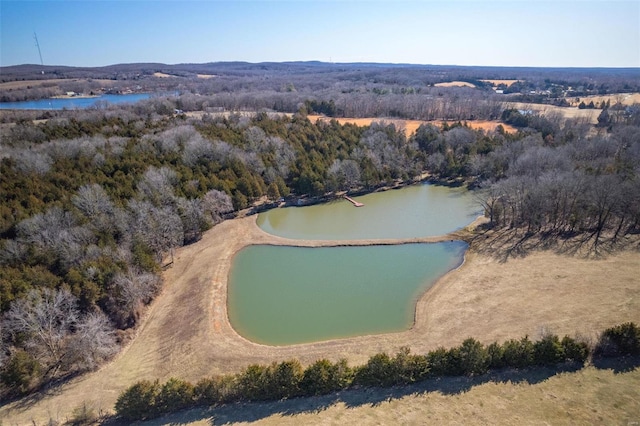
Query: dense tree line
[
  {"x": 288, "y": 379},
  {"x": 588, "y": 186}
]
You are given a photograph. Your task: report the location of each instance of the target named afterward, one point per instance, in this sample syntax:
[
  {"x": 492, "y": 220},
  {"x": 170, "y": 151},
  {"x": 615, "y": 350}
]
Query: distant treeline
[
  {"x": 315, "y": 77},
  {"x": 288, "y": 379}
]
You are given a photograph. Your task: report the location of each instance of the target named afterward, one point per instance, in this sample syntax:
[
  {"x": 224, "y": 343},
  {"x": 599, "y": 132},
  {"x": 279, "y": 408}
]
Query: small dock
[{"x": 354, "y": 202}]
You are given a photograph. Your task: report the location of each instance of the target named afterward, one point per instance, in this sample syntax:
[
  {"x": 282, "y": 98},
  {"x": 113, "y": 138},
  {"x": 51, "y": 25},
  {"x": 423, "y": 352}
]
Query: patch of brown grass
[
  {"x": 186, "y": 331},
  {"x": 589, "y": 115},
  {"x": 162, "y": 75},
  {"x": 497, "y": 82},
  {"x": 24, "y": 84},
  {"x": 588, "y": 396},
  {"x": 455, "y": 84},
  {"x": 621, "y": 98},
  {"x": 411, "y": 126}
]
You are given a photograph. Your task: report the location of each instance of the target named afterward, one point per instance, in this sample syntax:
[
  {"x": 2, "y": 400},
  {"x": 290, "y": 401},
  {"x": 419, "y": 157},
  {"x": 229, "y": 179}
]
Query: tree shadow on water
[{"x": 354, "y": 398}]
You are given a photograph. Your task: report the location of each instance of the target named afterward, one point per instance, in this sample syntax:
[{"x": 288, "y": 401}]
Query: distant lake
[{"x": 75, "y": 103}]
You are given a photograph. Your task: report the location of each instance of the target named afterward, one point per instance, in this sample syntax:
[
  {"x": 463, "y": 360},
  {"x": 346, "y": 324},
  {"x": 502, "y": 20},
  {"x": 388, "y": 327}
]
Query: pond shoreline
[
  {"x": 185, "y": 332},
  {"x": 401, "y": 212},
  {"x": 343, "y": 284},
  {"x": 305, "y": 200}
]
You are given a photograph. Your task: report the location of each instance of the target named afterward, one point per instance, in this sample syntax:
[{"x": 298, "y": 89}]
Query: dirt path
[{"x": 186, "y": 332}]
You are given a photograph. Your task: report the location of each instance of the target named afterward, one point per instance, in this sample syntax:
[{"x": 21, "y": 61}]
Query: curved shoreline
[
  {"x": 268, "y": 239},
  {"x": 186, "y": 333},
  {"x": 450, "y": 237}
]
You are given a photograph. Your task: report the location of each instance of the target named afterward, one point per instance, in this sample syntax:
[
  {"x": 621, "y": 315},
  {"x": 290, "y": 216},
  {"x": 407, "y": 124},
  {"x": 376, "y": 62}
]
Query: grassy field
[
  {"x": 621, "y": 98},
  {"x": 497, "y": 82},
  {"x": 588, "y": 115},
  {"x": 455, "y": 84},
  {"x": 24, "y": 84},
  {"x": 496, "y": 294},
  {"x": 410, "y": 126},
  {"x": 540, "y": 396}
]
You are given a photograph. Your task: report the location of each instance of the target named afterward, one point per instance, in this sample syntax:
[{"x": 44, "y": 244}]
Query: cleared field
[
  {"x": 589, "y": 396},
  {"x": 186, "y": 331},
  {"x": 24, "y": 84},
  {"x": 205, "y": 76},
  {"x": 410, "y": 126},
  {"x": 621, "y": 98},
  {"x": 589, "y": 115},
  {"x": 497, "y": 82},
  {"x": 455, "y": 84},
  {"x": 162, "y": 75}
]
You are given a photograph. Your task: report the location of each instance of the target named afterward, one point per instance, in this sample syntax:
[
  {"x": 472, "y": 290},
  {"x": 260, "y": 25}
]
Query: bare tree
[
  {"x": 217, "y": 204},
  {"x": 97, "y": 207},
  {"x": 194, "y": 220},
  {"x": 160, "y": 228},
  {"x": 12, "y": 252},
  {"x": 346, "y": 173},
  {"x": 32, "y": 162},
  {"x": 157, "y": 185},
  {"x": 94, "y": 342},
  {"x": 44, "y": 319},
  {"x": 129, "y": 293},
  {"x": 198, "y": 150},
  {"x": 57, "y": 235}
]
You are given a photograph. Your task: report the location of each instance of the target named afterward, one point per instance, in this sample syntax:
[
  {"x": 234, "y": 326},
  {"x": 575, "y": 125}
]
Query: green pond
[
  {"x": 415, "y": 211},
  {"x": 282, "y": 295}
]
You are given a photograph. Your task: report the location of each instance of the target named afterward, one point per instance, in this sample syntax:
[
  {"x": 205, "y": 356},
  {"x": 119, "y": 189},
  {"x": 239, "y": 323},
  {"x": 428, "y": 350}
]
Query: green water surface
[
  {"x": 286, "y": 295},
  {"x": 414, "y": 211}
]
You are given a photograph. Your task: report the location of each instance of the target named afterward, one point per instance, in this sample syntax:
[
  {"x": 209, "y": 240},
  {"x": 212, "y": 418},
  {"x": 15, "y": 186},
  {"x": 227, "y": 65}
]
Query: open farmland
[
  {"x": 410, "y": 126},
  {"x": 625, "y": 99},
  {"x": 455, "y": 84},
  {"x": 24, "y": 84},
  {"x": 588, "y": 115},
  {"x": 498, "y": 82}
]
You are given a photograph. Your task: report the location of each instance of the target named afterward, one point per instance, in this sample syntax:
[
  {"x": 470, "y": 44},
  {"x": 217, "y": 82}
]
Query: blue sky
[{"x": 576, "y": 33}]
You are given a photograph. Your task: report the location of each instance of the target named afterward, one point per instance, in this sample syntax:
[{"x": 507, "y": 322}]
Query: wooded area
[{"x": 94, "y": 202}]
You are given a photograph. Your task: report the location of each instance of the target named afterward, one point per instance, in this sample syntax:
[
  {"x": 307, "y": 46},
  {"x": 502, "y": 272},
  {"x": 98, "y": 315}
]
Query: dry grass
[
  {"x": 455, "y": 84},
  {"x": 497, "y": 82},
  {"x": 205, "y": 76},
  {"x": 621, "y": 98},
  {"x": 589, "y": 115},
  {"x": 24, "y": 84},
  {"x": 162, "y": 75},
  {"x": 410, "y": 126},
  {"x": 186, "y": 332},
  {"x": 545, "y": 396}
]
